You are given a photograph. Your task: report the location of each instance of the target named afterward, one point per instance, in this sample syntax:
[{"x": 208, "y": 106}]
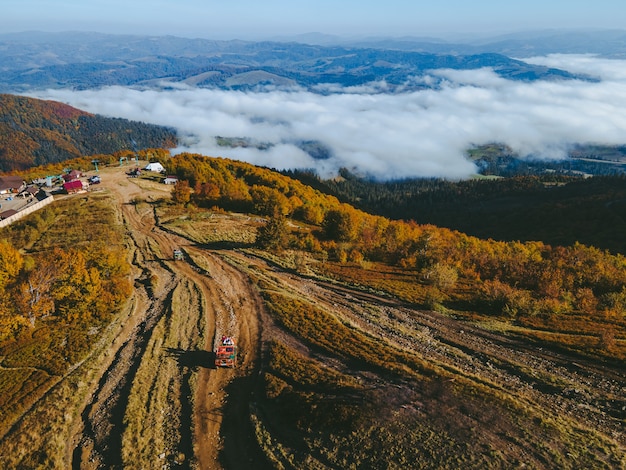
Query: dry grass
[
  {"x": 161, "y": 386},
  {"x": 55, "y": 413},
  {"x": 210, "y": 227},
  {"x": 424, "y": 405}
]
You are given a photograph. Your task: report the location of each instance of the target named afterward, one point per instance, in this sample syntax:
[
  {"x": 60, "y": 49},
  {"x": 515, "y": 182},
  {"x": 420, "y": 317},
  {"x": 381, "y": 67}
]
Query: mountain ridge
[{"x": 94, "y": 60}]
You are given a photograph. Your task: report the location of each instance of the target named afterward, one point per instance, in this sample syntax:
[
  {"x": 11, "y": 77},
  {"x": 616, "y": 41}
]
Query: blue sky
[{"x": 250, "y": 19}]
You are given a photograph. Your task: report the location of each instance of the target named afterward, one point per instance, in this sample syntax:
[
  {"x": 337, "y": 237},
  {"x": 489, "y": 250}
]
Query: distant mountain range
[
  {"x": 35, "y": 132},
  {"x": 30, "y": 61},
  {"x": 606, "y": 43}
]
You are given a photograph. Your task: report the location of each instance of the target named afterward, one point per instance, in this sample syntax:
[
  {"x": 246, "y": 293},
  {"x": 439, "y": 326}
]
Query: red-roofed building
[
  {"x": 170, "y": 180},
  {"x": 73, "y": 186},
  {"x": 72, "y": 175}
]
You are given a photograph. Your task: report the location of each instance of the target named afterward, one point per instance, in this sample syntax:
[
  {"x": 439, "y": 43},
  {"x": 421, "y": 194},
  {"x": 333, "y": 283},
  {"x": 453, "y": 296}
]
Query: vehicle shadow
[
  {"x": 240, "y": 445},
  {"x": 192, "y": 358}
]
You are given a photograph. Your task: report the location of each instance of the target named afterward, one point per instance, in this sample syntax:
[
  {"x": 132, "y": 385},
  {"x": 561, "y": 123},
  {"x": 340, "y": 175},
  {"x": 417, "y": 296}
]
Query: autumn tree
[
  {"x": 269, "y": 201},
  {"x": 340, "y": 225},
  {"x": 442, "y": 276},
  {"x": 11, "y": 263},
  {"x": 34, "y": 296},
  {"x": 34, "y": 299},
  {"x": 310, "y": 213},
  {"x": 274, "y": 234},
  {"x": 208, "y": 191},
  {"x": 182, "y": 192}
]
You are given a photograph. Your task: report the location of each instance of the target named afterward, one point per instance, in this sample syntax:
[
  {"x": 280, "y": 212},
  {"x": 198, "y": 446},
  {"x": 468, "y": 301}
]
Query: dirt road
[{"x": 160, "y": 402}]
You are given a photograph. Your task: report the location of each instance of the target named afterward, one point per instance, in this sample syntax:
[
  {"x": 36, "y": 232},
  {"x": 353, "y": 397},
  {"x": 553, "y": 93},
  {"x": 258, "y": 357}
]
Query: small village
[{"x": 19, "y": 198}]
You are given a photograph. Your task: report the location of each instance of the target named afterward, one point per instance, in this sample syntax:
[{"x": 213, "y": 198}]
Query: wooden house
[
  {"x": 170, "y": 180},
  {"x": 11, "y": 184}
]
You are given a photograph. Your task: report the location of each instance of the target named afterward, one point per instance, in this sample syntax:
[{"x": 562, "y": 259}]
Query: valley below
[{"x": 451, "y": 393}]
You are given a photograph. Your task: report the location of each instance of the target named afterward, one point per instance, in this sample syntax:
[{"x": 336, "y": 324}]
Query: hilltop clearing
[
  {"x": 159, "y": 398},
  {"x": 331, "y": 373}
]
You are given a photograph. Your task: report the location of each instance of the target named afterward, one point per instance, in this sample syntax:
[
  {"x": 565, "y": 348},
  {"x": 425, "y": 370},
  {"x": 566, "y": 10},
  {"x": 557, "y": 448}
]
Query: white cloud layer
[{"x": 418, "y": 134}]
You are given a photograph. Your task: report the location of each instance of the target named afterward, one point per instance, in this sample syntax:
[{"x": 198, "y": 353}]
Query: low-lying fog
[{"x": 417, "y": 134}]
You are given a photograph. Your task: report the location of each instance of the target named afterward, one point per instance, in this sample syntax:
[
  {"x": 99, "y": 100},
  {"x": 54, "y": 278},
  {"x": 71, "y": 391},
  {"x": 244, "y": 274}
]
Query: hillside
[
  {"x": 364, "y": 343},
  {"x": 35, "y": 132},
  {"x": 558, "y": 208}
]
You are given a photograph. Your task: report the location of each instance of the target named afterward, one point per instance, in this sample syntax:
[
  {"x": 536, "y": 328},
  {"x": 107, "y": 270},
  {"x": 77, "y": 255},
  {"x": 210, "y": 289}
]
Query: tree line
[{"x": 555, "y": 208}]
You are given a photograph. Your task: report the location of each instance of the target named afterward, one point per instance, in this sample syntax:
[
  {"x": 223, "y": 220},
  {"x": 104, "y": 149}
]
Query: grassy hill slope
[{"x": 382, "y": 344}]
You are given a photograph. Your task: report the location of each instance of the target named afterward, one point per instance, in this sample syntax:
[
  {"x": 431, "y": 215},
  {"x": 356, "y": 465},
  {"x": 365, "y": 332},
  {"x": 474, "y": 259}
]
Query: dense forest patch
[
  {"x": 556, "y": 208},
  {"x": 36, "y": 132}
]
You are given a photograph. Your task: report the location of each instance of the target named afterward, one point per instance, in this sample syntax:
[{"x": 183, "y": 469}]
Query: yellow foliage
[{"x": 11, "y": 262}]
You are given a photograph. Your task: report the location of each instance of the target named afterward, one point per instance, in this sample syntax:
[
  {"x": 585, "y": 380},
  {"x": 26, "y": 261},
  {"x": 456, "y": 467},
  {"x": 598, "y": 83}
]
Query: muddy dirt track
[
  {"x": 179, "y": 310},
  {"x": 159, "y": 401}
]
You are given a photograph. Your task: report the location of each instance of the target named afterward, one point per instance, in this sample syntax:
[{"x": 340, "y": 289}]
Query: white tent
[{"x": 154, "y": 166}]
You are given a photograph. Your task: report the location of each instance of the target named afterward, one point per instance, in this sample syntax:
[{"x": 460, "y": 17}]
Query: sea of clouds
[{"x": 422, "y": 133}]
